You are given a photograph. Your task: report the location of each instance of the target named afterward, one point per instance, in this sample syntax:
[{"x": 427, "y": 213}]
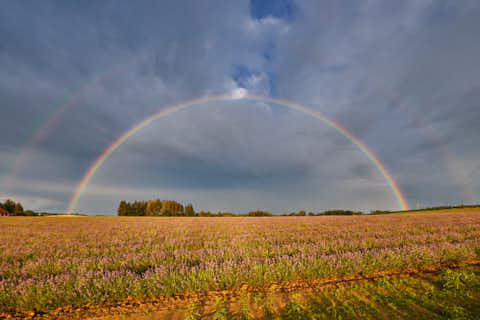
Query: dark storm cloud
[
  {"x": 241, "y": 145},
  {"x": 410, "y": 69},
  {"x": 402, "y": 76}
]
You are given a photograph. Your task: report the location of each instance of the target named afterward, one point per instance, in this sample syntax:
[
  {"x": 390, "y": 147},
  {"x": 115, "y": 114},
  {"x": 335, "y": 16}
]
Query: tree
[
  {"x": 166, "y": 212},
  {"x": 9, "y": 205},
  {"x": 154, "y": 207},
  {"x": 122, "y": 208},
  {"x": 29, "y": 213},
  {"x": 259, "y": 213},
  {"x": 18, "y": 208},
  {"x": 189, "y": 212},
  {"x": 139, "y": 208},
  {"x": 175, "y": 208},
  {"x": 204, "y": 214}
]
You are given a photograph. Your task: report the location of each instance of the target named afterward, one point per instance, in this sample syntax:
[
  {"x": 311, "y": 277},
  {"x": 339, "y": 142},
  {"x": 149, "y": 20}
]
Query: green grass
[
  {"x": 452, "y": 294},
  {"x": 449, "y": 294}
]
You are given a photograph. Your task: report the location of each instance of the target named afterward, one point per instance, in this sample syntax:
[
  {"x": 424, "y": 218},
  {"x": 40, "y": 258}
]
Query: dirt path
[{"x": 173, "y": 307}]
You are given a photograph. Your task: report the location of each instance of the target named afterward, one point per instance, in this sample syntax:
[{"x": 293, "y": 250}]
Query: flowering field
[{"x": 50, "y": 262}]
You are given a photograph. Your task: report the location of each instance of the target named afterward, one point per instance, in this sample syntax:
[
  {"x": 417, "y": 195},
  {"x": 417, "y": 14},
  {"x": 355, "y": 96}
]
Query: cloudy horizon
[{"x": 403, "y": 78}]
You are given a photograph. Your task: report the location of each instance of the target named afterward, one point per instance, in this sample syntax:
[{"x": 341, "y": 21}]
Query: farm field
[{"x": 388, "y": 264}]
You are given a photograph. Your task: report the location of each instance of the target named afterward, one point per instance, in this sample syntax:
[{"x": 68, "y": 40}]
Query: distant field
[
  {"x": 47, "y": 263},
  {"x": 470, "y": 208},
  {"x": 65, "y": 216},
  {"x": 477, "y": 209}
]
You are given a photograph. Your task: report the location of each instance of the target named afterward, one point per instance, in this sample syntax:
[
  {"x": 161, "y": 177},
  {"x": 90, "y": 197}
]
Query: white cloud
[{"x": 239, "y": 93}]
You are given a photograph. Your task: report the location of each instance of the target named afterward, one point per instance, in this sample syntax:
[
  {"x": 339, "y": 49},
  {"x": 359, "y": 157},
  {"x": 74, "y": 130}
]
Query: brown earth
[{"x": 173, "y": 307}]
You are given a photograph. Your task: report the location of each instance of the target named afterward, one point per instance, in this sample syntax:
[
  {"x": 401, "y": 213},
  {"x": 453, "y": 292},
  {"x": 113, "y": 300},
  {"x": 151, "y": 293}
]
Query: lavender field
[{"x": 50, "y": 262}]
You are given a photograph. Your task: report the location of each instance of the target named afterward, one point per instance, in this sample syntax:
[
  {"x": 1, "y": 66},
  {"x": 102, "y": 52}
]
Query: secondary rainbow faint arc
[
  {"x": 44, "y": 130},
  {"x": 402, "y": 202}
]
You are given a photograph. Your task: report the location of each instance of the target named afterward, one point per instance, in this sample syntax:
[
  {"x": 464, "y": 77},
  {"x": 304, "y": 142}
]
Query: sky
[{"x": 403, "y": 77}]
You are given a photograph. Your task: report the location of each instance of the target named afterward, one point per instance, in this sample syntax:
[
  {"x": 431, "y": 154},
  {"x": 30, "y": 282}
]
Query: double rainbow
[{"x": 402, "y": 203}]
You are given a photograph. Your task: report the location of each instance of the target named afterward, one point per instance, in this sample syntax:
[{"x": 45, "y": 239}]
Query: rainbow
[{"x": 402, "y": 203}]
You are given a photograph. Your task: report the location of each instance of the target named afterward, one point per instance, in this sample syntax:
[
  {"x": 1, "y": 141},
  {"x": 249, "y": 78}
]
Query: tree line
[
  {"x": 171, "y": 208},
  {"x": 152, "y": 208},
  {"x": 15, "y": 208}
]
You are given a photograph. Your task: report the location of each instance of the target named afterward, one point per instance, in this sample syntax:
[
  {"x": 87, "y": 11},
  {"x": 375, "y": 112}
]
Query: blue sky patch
[
  {"x": 283, "y": 9},
  {"x": 240, "y": 75}
]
